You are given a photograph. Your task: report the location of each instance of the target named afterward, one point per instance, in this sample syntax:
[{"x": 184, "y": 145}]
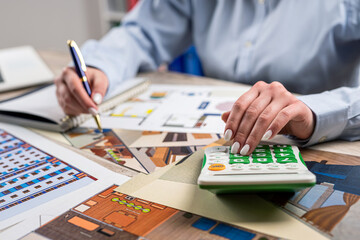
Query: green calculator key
[
  {"x": 243, "y": 160},
  {"x": 282, "y": 146},
  {"x": 262, "y": 150},
  {"x": 283, "y": 150},
  {"x": 282, "y": 155},
  {"x": 263, "y": 147},
  {"x": 261, "y": 155},
  {"x": 231, "y": 155},
  {"x": 286, "y": 160},
  {"x": 263, "y": 160}
]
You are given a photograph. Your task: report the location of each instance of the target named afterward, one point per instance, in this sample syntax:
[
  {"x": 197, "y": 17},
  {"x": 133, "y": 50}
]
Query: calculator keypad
[{"x": 265, "y": 158}]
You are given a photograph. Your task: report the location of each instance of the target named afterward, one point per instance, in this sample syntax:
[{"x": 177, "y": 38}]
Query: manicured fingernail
[
  {"x": 93, "y": 111},
  {"x": 235, "y": 147},
  {"x": 228, "y": 135},
  {"x": 245, "y": 149},
  {"x": 267, "y": 135},
  {"x": 97, "y": 98}
]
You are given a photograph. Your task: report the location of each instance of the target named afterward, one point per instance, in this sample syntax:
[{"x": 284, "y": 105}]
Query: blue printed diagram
[{"x": 29, "y": 176}]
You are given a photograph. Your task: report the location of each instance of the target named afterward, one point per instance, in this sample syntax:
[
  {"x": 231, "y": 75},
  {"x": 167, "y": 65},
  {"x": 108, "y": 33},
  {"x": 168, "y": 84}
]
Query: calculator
[{"x": 268, "y": 168}]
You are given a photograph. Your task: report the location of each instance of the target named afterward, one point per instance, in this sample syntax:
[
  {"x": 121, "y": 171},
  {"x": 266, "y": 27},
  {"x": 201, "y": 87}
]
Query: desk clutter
[{"x": 48, "y": 191}]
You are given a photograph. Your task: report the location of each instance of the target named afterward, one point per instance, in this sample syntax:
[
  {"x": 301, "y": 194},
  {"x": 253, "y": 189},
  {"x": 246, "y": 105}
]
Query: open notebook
[{"x": 40, "y": 109}]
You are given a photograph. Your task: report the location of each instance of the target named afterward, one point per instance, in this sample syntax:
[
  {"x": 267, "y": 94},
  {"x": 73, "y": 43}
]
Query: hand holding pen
[{"x": 72, "y": 96}]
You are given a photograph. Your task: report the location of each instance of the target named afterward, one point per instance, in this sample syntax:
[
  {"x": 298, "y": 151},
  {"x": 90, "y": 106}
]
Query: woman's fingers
[
  {"x": 238, "y": 110},
  {"x": 77, "y": 90},
  {"x": 99, "y": 85},
  {"x": 72, "y": 96},
  {"x": 247, "y": 123},
  {"x": 264, "y": 111},
  {"x": 261, "y": 128}
]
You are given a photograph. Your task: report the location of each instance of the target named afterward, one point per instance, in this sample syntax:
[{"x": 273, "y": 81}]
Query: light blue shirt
[{"x": 311, "y": 47}]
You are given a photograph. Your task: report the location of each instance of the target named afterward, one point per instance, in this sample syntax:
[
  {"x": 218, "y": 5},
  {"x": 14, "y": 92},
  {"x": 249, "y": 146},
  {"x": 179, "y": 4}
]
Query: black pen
[{"x": 80, "y": 68}]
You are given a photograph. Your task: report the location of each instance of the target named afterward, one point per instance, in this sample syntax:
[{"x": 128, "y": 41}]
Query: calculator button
[
  {"x": 283, "y": 150},
  {"x": 273, "y": 166},
  {"x": 284, "y": 155},
  {"x": 263, "y": 160},
  {"x": 262, "y": 147},
  {"x": 231, "y": 155},
  {"x": 261, "y": 150},
  {"x": 291, "y": 166},
  {"x": 255, "y": 167},
  {"x": 215, "y": 161},
  {"x": 216, "y": 167},
  {"x": 286, "y": 160},
  {"x": 243, "y": 160},
  {"x": 237, "y": 167},
  {"x": 282, "y": 146},
  {"x": 261, "y": 155}
]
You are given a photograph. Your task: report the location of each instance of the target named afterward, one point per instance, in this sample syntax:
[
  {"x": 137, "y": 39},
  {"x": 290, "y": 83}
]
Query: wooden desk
[{"x": 58, "y": 60}]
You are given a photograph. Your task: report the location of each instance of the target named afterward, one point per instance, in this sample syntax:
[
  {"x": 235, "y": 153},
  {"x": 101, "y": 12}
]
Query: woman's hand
[
  {"x": 264, "y": 111},
  {"x": 72, "y": 96}
]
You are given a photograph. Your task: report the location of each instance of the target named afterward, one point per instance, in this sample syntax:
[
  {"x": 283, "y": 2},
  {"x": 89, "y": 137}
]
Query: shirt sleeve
[
  {"x": 154, "y": 32},
  {"x": 337, "y": 115},
  {"x": 337, "y": 112}
]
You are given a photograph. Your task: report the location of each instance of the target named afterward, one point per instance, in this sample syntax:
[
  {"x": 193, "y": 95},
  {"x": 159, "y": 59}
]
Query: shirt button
[{"x": 322, "y": 139}]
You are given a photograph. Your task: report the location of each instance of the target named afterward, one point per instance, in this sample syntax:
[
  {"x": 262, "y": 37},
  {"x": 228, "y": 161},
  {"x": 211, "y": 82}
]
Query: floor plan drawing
[
  {"x": 143, "y": 151},
  {"x": 113, "y": 215}
]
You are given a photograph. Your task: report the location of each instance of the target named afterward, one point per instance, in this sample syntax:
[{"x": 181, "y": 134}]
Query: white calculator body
[{"x": 268, "y": 168}]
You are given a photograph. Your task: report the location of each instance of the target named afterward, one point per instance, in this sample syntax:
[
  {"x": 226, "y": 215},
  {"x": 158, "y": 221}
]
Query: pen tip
[{"x": 98, "y": 122}]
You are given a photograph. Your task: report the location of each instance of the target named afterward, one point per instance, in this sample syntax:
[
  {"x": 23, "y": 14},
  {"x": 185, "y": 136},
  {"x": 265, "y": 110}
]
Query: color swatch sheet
[
  {"x": 174, "y": 108},
  {"x": 142, "y": 151},
  {"x": 114, "y": 215},
  {"x": 37, "y": 175}
]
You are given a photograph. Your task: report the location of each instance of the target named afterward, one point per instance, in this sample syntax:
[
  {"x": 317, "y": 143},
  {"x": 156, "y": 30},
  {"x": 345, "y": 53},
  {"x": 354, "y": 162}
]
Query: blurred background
[{"x": 47, "y": 24}]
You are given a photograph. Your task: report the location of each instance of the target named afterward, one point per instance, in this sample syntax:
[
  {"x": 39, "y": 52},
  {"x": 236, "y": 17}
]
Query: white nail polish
[
  {"x": 235, "y": 147},
  {"x": 267, "y": 135},
  {"x": 97, "y": 98},
  {"x": 93, "y": 111},
  {"x": 245, "y": 149},
  {"x": 228, "y": 135}
]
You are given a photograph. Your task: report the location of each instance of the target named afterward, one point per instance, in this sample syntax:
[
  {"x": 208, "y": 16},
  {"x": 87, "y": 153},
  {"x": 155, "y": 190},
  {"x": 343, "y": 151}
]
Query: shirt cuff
[{"x": 330, "y": 116}]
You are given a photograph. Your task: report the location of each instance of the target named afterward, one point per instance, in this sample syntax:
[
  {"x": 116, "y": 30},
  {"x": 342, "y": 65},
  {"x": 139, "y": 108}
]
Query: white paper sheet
[{"x": 180, "y": 108}]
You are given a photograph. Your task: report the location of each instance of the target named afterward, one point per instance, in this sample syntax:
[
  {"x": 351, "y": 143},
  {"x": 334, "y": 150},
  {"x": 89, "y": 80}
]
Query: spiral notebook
[{"x": 40, "y": 109}]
